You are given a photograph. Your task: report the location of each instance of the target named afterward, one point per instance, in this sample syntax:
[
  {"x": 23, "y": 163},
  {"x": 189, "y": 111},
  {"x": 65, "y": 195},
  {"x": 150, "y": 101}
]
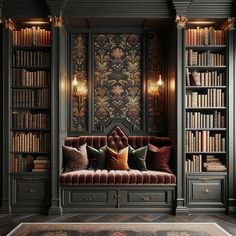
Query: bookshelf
[
  {"x": 30, "y": 101},
  {"x": 205, "y": 118},
  {"x": 205, "y": 100}
]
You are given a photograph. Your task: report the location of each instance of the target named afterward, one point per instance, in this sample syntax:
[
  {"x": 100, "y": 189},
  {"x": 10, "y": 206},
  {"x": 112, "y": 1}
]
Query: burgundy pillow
[
  {"x": 75, "y": 159},
  {"x": 158, "y": 158}
]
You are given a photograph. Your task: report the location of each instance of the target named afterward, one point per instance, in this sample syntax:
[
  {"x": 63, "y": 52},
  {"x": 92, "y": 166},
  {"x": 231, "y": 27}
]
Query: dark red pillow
[{"x": 158, "y": 158}]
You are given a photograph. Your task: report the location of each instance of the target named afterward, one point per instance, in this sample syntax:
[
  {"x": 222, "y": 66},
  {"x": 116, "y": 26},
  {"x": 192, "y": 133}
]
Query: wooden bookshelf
[
  {"x": 30, "y": 100},
  {"x": 205, "y": 100}
]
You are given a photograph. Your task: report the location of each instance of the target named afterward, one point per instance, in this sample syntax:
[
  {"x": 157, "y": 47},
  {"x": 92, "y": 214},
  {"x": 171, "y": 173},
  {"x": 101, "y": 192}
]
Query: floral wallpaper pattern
[
  {"x": 80, "y": 70},
  {"x": 117, "y": 78},
  {"x": 117, "y": 81},
  {"x": 155, "y": 104}
]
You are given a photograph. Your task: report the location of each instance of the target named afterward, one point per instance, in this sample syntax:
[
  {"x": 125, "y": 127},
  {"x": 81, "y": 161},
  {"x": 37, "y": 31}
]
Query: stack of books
[
  {"x": 212, "y": 163},
  {"x": 41, "y": 164}
]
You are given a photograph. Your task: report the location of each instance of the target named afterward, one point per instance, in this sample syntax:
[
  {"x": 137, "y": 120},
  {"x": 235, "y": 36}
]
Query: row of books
[
  {"x": 34, "y": 36},
  {"x": 203, "y": 120},
  {"x": 207, "y": 58},
  {"x": 29, "y": 163},
  {"x": 194, "y": 163},
  {"x": 207, "y": 98},
  {"x": 204, "y": 36},
  {"x": 213, "y": 163},
  {"x": 31, "y": 58},
  {"x": 22, "y": 77},
  {"x": 30, "y": 98},
  {"x": 30, "y": 142},
  {"x": 209, "y": 78},
  {"x": 204, "y": 141},
  {"x": 27, "y": 120}
]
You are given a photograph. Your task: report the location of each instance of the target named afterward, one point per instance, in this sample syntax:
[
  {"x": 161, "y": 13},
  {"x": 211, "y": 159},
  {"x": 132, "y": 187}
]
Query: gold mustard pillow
[{"x": 118, "y": 160}]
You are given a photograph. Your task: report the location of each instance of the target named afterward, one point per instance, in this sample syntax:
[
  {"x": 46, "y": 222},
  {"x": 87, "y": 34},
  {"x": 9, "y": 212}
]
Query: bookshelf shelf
[
  {"x": 206, "y": 108},
  {"x": 30, "y": 87},
  {"x": 205, "y": 87},
  {"x": 218, "y": 152},
  {"x": 32, "y": 47},
  {"x": 31, "y": 108},
  {"x": 32, "y": 68},
  {"x": 33, "y": 153},
  {"x": 201, "y": 68},
  {"x": 206, "y": 47},
  {"x": 31, "y": 129},
  {"x": 211, "y": 129}
]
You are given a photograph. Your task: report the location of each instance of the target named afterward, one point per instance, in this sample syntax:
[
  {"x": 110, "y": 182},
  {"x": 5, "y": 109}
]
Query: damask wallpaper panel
[
  {"x": 117, "y": 78},
  {"x": 80, "y": 70}
]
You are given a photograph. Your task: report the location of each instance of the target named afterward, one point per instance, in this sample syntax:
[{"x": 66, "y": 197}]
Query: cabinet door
[
  {"x": 206, "y": 191},
  {"x": 30, "y": 191}
]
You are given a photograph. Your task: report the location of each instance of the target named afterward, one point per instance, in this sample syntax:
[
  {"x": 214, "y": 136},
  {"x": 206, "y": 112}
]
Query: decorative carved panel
[{"x": 117, "y": 79}]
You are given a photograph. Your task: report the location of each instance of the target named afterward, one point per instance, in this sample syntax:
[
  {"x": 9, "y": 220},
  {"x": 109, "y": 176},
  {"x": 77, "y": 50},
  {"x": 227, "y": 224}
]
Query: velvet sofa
[{"x": 104, "y": 190}]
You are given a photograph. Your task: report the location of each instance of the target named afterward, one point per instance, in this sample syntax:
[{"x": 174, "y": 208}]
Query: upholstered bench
[
  {"x": 112, "y": 191},
  {"x": 81, "y": 177}
]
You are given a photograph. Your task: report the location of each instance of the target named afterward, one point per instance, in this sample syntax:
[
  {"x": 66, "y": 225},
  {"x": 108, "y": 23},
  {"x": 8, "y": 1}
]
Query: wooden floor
[{"x": 7, "y": 223}]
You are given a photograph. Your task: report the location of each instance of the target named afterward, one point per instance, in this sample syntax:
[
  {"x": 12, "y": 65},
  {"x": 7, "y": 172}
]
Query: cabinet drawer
[
  {"x": 29, "y": 191},
  {"x": 140, "y": 198},
  {"x": 87, "y": 197},
  {"x": 206, "y": 190}
]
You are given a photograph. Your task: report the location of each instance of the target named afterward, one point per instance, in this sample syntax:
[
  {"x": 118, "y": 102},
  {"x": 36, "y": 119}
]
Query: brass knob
[
  {"x": 30, "y": 190},
  {"x": 205, "y": 190}
]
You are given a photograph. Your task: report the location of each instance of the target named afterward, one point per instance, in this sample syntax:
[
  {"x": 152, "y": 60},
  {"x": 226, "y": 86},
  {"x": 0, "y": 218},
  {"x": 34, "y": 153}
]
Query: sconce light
[
  {"x": 155, "y": 89},
  {"x": 79, "y": 88}
]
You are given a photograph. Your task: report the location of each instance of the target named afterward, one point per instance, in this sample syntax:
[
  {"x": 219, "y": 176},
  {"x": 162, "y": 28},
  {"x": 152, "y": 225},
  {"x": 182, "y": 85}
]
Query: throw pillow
[
  {"x": 158, "y": 158},
  {"x": 75, "y": 159},
  {"x": 118, "y": 160},
  {"x": 97, "y": 158},
  {"x": 137, "y": 158}
]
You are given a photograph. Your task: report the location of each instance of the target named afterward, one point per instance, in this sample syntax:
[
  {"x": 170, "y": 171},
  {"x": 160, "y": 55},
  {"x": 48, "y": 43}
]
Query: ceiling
[{"x": 113, "y": 13}]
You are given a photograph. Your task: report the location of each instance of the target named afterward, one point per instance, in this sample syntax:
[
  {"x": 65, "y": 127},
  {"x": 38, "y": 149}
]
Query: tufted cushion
[
  {"x": 117, "y": 139},
  {"x": 81, "y": 177}
]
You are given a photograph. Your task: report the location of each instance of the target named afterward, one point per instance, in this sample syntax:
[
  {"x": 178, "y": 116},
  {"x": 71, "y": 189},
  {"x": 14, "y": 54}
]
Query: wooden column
[
  {"x": 55, "y": 208},
  {"x": 232, "y": 117},
  {"x": 5, "y": 107},
  {"x": 181, "y": 208}
]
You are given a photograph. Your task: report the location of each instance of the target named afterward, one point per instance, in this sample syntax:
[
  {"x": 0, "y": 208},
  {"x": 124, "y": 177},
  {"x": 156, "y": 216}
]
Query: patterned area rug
[{"x": 118, "y": 229}]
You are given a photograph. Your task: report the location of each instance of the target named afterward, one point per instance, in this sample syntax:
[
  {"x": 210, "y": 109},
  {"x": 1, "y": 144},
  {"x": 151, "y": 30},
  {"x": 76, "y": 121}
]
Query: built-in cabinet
[{"x": 205, "y": 118}]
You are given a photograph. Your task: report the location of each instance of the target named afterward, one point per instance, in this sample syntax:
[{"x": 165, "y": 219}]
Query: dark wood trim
[
  {"x": 5, "y": 208},
  {"x": 55, "y": 208},
  {"x": 181, "y": 208},
  {"x": 231, "y": 127}
]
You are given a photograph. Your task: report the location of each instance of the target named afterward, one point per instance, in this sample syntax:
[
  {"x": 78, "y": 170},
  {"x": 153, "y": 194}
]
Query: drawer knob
[
  {"x": 30, "y": 190},
  {"x": 147, "y": 198},
  {"x": 205, "y": 190},
  {"x": 89, "y": 198}
]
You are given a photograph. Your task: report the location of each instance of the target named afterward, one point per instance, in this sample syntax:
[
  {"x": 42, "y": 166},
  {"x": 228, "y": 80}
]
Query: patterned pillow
[
  {"x": 75, "y": 159},
  {"x": 117, "y": 160},
  {"x": 158, "y": 158},
  {"x": 97, "y": 158},
  {"x": 137, "y": 158}
]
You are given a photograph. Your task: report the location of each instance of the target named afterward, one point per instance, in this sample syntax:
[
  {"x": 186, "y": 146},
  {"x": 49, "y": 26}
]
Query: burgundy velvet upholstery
[
  {"x": 117, "y": 177},
  {"x": 117, "y": 140},
  {"x": 93, "y": 141}
]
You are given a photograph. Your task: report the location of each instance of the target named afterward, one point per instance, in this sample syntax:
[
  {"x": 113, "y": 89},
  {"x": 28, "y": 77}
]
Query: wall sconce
[
  {"x": 79, "y": 88},
  {"x": 155, "y": 89}
]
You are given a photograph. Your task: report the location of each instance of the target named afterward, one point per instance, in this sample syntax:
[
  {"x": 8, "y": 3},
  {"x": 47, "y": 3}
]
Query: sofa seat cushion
[{"x": 80, "y": 177}]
